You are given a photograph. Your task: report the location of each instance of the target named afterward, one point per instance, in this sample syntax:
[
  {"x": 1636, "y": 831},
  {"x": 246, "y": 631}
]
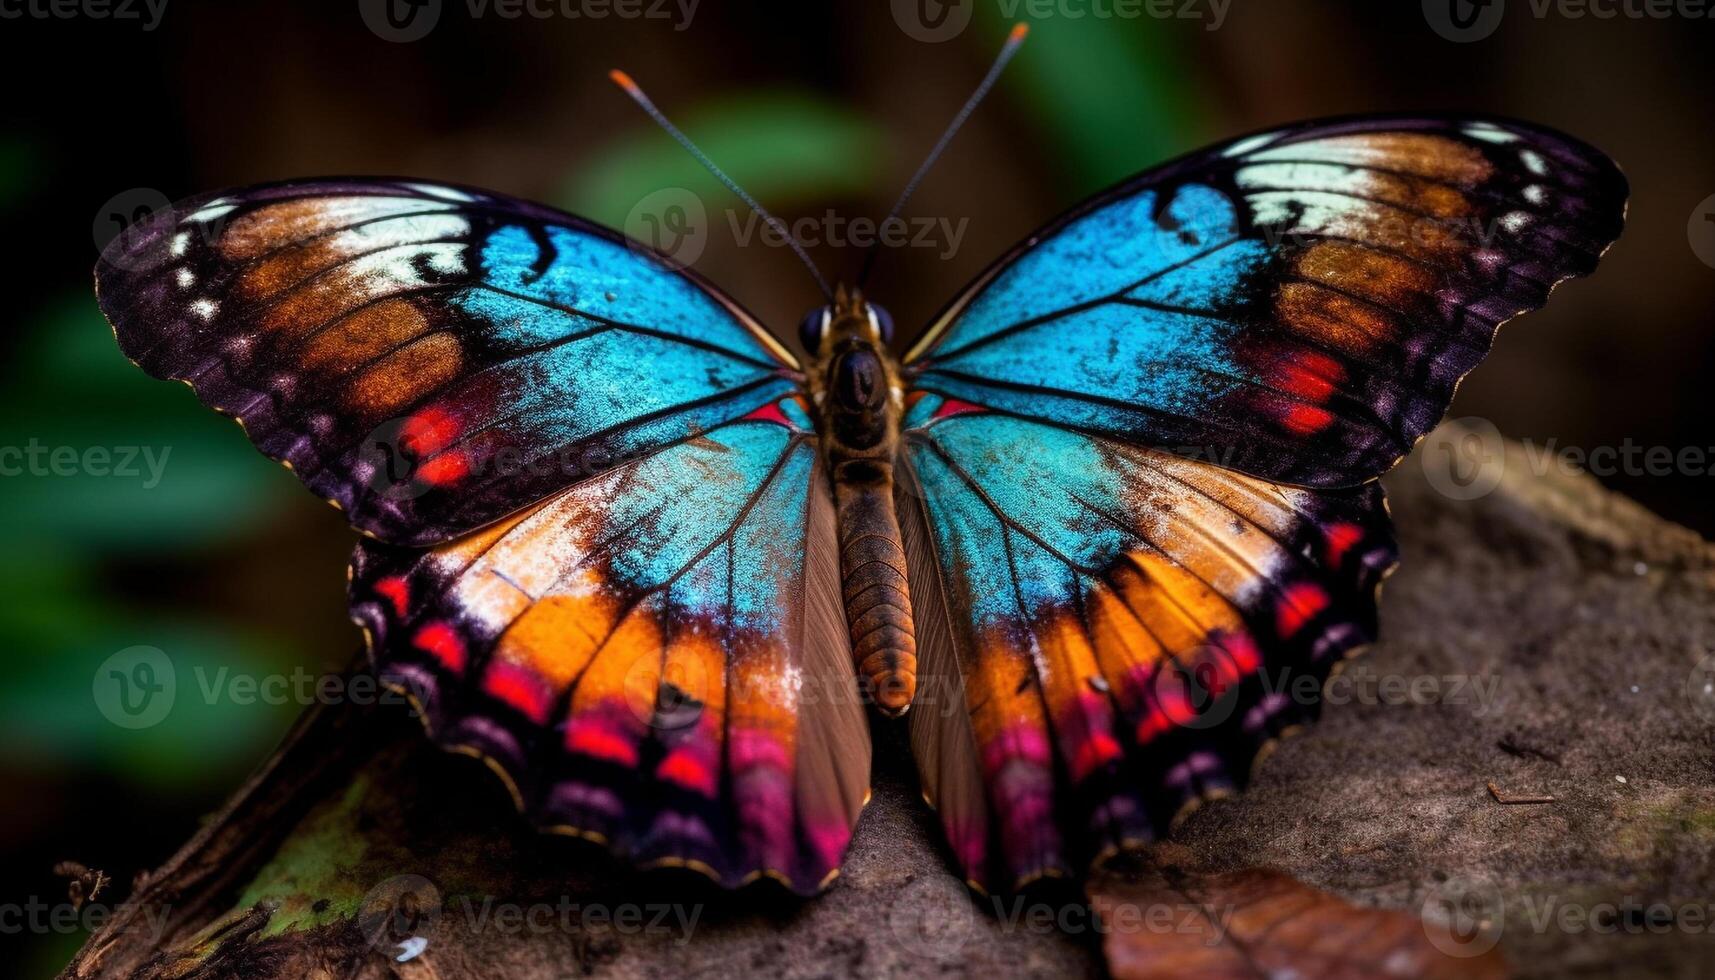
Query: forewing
[
  {"x": 430, "y": 358},
  {"x": 654, "y": 659},
  {"x": 1109, "y": 634},
  {"x": 1298, "y": 305}
]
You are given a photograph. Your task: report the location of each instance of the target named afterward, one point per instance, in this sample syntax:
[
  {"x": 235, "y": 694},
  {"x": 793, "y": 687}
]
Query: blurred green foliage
[
  {"x": 781, "y": 147},
  {"x": 68, "y": 386}
]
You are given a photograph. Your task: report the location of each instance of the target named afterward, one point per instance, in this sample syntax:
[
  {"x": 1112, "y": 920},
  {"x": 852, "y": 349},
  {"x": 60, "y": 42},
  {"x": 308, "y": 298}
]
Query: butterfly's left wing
[
  {"x": 431, "y": 358},
  {"x": 1108, "y": 634},
  {"x": 1298, "y": 304}
]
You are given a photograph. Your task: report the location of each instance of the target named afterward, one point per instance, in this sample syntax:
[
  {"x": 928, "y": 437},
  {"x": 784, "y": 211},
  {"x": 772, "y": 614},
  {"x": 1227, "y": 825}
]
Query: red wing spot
[
  {"x": 686, "y": 770},
  {"x": 595, "y": 738},
  {"x": 770, "y": 413},
  {"x": 1097, "y": 751},
  {"x": 428, "y": 432},
  {"x": 1306, "y": 420},
  {"x": 394, "y": 589},
  {"x": 1242, "y": 649},
  {"x": 440, "y": 641},
  {"x": 1341, "y": 537},
  {"x": 520, "y": 688},
  {"x": 1298, "y": 605},
  {"x": 443, "y": 470},
  {"x": 954, "y": 406},
  {"x": 1309, "y": 375}
]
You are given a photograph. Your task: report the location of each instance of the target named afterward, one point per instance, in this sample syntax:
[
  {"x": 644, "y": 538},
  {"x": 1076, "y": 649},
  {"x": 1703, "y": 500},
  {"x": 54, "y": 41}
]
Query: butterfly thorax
[{"x": 855, "y": 384}]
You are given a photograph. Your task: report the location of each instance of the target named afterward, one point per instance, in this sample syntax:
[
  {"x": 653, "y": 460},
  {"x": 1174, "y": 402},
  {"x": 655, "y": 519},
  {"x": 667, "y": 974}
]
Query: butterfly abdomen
[{"x": 877, "y": 598}]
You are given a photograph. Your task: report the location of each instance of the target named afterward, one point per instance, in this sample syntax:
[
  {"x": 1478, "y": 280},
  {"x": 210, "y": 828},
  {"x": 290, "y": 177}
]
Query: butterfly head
[
  {"x": 849, "y": 317},
  {"x": 852, "y": 375}
]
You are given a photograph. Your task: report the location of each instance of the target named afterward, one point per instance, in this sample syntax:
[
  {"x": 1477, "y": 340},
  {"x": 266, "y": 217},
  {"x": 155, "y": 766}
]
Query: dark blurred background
[{"x": 225, "y": 563}]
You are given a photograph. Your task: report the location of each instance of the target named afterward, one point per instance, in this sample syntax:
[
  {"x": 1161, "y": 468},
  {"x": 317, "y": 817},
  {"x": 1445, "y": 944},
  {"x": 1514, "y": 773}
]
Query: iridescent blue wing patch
[
  {"x": 1298, "y": 305},
  {"x": 431, "y": 358}
]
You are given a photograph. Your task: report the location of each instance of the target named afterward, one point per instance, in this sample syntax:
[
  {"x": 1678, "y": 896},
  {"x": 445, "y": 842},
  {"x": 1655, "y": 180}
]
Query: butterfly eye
[
  {"x": 883, "y": 321},
  {"x": 813, "y": 327}
]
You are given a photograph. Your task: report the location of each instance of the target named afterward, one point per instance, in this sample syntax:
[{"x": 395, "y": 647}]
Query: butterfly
[{"x": 1103, "y": 529}]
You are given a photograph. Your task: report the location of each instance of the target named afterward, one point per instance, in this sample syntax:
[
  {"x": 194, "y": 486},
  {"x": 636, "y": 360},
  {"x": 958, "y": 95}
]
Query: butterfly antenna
[
  {"x": 1013, "y": 40},
  {"x": 631, "y": 88}
]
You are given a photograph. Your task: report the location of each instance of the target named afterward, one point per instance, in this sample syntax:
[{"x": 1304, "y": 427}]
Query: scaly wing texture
[
  {"x": 1298, "y": 305},
  {"x": 1110, "y": 634},
  {"x": 430, "y": 358},
  {"x": 654, "y": 659}
]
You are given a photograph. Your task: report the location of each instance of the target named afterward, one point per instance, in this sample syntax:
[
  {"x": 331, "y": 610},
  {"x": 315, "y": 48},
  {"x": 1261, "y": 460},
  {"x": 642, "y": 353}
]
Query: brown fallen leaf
[{"x": 1257, "y": 923}]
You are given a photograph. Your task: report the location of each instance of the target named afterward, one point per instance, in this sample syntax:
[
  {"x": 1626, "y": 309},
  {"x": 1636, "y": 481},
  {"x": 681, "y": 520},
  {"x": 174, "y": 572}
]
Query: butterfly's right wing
[
  {"x": 1108, "y": 635},
  {"x": 654, "y": 659}
]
